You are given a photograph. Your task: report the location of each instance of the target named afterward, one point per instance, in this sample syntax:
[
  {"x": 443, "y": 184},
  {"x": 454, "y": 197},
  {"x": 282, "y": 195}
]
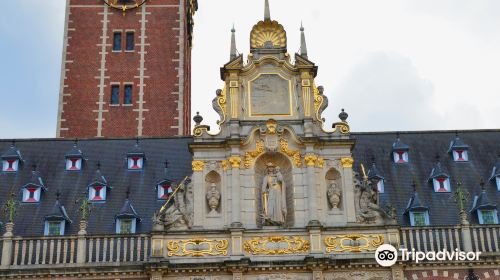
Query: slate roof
[
  {"x": 484, "y": 146},
  {"x": 49, "y": 156}
]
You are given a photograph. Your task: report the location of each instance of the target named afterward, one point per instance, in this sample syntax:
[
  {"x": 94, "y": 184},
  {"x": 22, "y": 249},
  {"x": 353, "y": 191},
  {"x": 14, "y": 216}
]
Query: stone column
[
  {"x": 310, "y": 160},
  {"x": 7, "y": 245},
  {"x": 465, "y": 231},
  {"x": 235, "y": 162},
  {"x": 81, "y": 252}
]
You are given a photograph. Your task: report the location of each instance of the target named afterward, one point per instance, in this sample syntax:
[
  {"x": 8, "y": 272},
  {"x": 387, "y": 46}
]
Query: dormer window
[
  {"x": 400, "y": 151},
  {"x": 55, "y": 222},
  {"x": 376, "y": 177},
  {"x": 441, "y": 184},
  {"x": 135, "y": 163},
  {"x": 459, "y": 150},
  {"x": 164, "y": 190},
  {"x": 10, "y": 165},
  {"x": 487, "y": 212},
  {"x": 32, "y": 191},
  {"x": 495, "y": 175},
  {"x": 98, "y": 188},
  {"x": 73, "y": 164},
  {"x": 416, "y": 211},
  {"x": 440, "y": 180},
  {"x": 135, "y": 158},
  {"x": 97, "y": 193},
  {"x": 11, "y": 159},
  {"x": 419, "y": 218},
  {"x": 127, "y": 219},
  {"x": 74, "y": 159}
]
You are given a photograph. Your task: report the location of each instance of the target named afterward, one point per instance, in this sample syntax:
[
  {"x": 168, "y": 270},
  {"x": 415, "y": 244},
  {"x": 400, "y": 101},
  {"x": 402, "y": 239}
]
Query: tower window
[
  {"x": 117, "y": 41},
  {"x": 127, "y": 99},
  {"x": 130, "y": 41},
  {"x": 115, "y": 94}
]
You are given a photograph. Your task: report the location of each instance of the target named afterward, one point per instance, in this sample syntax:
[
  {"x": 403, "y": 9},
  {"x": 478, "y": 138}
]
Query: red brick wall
[{"x": 83, "y": 79}]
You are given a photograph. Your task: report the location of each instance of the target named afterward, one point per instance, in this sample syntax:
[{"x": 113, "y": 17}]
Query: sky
[{"x": 394, "y": 65}]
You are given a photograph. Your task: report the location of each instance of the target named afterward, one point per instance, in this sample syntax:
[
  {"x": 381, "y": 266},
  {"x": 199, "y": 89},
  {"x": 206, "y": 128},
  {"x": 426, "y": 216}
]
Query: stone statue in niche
[
  {"x": 274, "y": 196},
  {"x": 368, "y": 210},
  {"x": 334, "y": 194},
  {"x": 213, "y": 199}
]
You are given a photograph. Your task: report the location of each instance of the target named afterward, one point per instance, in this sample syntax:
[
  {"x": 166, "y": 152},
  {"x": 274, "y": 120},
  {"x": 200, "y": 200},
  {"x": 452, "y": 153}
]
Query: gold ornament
[
  {"x": 222, "y": 103},
  {"x": 197, "y": 247},
  {"x": 268, "y": 32},
  {"x": 260, "y": 245},
  {"x": 318, "y": 101},
  {"x": 294, "y": 154},
  {"x": 347, "y": 162},
  {"x": 198, "y": 165},
  {"x": 320, "y": 163},
  {"x": 344, "y": 243},
  {"x": 235, "y": 161},
  {"x": 225, "y": 164},
  {"x": 200, "y": 129},
  {"x": 251, "y": 156},
  {"x": 310, "y": 160}
]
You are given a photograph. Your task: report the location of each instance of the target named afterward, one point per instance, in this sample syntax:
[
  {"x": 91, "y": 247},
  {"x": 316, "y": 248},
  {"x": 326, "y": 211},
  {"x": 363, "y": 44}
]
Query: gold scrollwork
[
  {"x": 225, "y": 164},
  {"x": 355, "y": 243},
  {"x": 318, "y": 101},
  {"x": 274, "y": 245},
  {"x": 343, "y": 127},
  {"x": 197, "y": 247},
  {"x": 198, "y": 165},
  {"x": 235, "y": 161},
  {"x": 347, "y": 162},
  {"x": 222, "y": 103},
  {"x": 251, "y": 156},
  {"x": 200, "y": 129},
  {"x": 294, "y": 154}
]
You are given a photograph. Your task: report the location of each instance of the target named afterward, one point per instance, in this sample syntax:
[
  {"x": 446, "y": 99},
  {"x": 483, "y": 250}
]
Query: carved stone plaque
[{"x": 270, "y": 94}]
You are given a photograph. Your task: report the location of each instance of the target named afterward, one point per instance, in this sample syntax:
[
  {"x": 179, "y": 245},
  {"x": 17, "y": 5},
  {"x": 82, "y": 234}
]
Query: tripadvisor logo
[{"x": 387, "y": 255}]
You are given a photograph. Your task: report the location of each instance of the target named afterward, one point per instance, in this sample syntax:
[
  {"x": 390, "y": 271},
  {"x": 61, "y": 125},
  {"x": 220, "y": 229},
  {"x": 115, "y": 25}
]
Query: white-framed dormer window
[
  {"x": 97, "y": 193},
  {"x": 419, "y": 218},
  {"x": 135, "y": 162},
  {"x": 460, "y": 155},
  {"x": 54, "y": 228},
  {"x": 31, "y": 194},
  {"x": 441, "y": 184},
  {"x": 126, "y": 225},
  {"x": 10, "y": 165},
  {"x": 400, "y": 156},
  {"x": 487, "y": 217},
  {"x": 164, "y": 191},
  {"x": 380, "y": 186},
  {"x": 74, "y": 164}
]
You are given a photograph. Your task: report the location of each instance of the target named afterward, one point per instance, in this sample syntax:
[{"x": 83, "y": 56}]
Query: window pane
[
  {"x": 488, "y": 217},
  {"x": 117, "y": 41},
  {"x": 126, "y": 226},
  {"x": 130, "y": 41},
  {"x": 54, "y": 228},
  {"x": 128, "y": 95},
  {"x": 115, "y": 94},
  {"x": 419, "y": 219}
]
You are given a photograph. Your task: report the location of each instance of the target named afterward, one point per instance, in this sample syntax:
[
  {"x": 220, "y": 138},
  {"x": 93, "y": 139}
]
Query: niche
[
  {"x": 333, "y": 189},
  {"x": 213, "y": 193}
]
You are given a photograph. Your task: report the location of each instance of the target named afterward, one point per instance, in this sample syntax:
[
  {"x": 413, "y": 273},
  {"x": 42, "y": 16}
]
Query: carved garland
[
  {"x": 355, "y": 243},
  {"x": 273, "y": 245},
  {"x": 294, "y": 154},
  {"x": 197, "y": 247}
]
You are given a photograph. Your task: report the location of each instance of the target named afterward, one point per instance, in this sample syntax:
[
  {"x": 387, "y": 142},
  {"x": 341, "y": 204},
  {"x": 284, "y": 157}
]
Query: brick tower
[{"x": 126, "y": 68}]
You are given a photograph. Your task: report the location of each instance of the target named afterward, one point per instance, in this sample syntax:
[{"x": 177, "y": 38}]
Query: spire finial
[
  {"x": 414, "y": 185},
  {"x": 303, "y": 45},
  {"x": 482, "y": 184},
  {"x": 128, "y": 193},
  {"x": 166, "y": 164},
  {"x": 267, "y": 11},
  {"x": 98, "y": 165},
  {"x": 234, "y": 52},
  {"x": 58, "y": 195}
]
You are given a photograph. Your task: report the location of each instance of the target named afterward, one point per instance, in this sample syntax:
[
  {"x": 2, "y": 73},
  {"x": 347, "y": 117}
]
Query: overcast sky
[{"x": 393, "y": 65}]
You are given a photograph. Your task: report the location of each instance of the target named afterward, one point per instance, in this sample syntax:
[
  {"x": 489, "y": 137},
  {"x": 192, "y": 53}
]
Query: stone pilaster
[
  {"x": 348, "y": 198},
  {"x": 81, "y": 253},
  {"x": 310, "y": 160},
  {"x": 235, "y": 162},
  {"x": 199, "y": 198}
]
